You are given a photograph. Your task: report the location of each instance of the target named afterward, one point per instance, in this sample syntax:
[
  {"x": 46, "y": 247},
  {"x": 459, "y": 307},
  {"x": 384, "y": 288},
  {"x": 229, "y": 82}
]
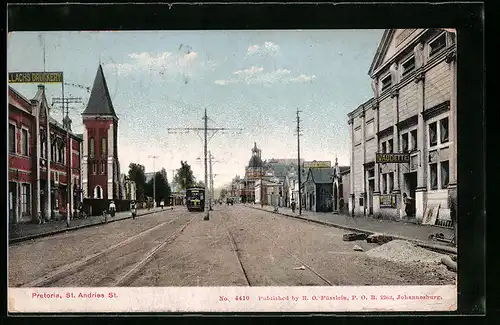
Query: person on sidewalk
[
  {"x": 293, "y": 205},
  {"x": 408, "y": 202},
  {"x": 162, "y": 204},
  {"x": 112, "y": 208}
]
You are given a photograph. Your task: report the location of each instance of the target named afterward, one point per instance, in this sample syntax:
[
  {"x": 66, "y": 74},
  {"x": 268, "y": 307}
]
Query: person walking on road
[
  {"x": 408, "y": 205},
  {"x": 162, "y": 204},
  {"x": 133, "y": 209},
  {"x": 112, "y": 208}
]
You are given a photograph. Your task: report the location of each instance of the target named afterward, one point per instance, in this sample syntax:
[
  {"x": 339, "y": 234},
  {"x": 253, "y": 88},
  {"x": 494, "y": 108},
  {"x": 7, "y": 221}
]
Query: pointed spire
[{"x": 100, "y": 101}]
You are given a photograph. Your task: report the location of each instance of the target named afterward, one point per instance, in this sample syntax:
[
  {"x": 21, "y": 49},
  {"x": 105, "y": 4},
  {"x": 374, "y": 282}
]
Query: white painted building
[{"x": 413, "y": 110}]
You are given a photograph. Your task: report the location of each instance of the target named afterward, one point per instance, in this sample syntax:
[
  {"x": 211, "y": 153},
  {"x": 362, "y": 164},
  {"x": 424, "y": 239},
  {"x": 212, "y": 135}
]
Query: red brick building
[
  {"x": 31, "y": 150},
  {"x": 101, "y": 169}
]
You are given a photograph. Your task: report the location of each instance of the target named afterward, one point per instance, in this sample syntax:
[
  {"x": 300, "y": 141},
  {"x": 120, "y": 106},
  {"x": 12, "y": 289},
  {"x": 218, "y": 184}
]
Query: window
[
  {"x": 103, "y": 167},
  {"x": 91, "y": 147},
  {"x": 103, "y": 146},
  {"x": 444, "y": 135},
  {"x": 371, "y": 173},
  {"x": 445, "y": 174},
  {"x": 94, "y": 168},
  {"x": 434, "y": 176},
  {"x": 43, "y": 149},
  {"x": 390, "y": 179},
  {"x": 25, "y": 199},
  {"x": 404, "y": 142},
  {"x": 414, "y": 141},
  {"x": 12, "y": 138},
  {"x": 433, "y": 134},
  {"x": 384, "y": 147},
  {"x": 386, "y": 82},
  {"x": 408, "y": 66},
  {"x": 437, "y": 45},
  {"x": 384, "y": 184},
  {"x": 24, "y": 142},
  {"x": 60, "y": 153},
  {"x": 53, "y": 152},
  {"x": 390, "y": 147},
  {"x": 369, "y": 129}
]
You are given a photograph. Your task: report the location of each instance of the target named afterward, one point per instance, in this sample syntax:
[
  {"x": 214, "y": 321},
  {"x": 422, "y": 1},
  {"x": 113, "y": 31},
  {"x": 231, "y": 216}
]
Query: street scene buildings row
[
  {"x": 40, "y": 161},
  {"x": 413, "y": 111}
]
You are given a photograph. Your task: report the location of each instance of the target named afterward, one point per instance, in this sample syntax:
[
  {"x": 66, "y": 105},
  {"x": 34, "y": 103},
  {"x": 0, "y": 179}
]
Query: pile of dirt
[{"x": 401, "y": 251}]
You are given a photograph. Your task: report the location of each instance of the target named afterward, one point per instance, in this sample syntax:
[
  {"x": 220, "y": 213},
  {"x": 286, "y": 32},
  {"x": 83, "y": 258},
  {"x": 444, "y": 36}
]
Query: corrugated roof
[{"x": 100, "y": 100}]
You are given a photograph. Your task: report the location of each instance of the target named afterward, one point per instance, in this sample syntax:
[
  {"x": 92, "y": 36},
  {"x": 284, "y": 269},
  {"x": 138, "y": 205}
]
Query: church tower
[{"x": 100, "y": 144}]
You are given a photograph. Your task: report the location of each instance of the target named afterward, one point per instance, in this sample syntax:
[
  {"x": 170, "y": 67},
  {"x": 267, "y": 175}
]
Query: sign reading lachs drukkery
[
  {"x": 35, "y": 77},
  {"x": 398, "y": 158}
]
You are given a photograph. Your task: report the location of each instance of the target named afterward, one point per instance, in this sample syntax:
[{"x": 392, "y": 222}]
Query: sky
[{"x": 249, "y": 80}]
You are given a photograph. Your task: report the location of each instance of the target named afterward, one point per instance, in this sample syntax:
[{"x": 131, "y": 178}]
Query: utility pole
[
  {"x": 205, "y": 128},
  {"x": 298, "y": 160},
  {"x": 154, "y": 180},
  {"x": 211, "y": 187},
  {"x": 171, "y": 188},
  {"x": 69, "y": 155}
]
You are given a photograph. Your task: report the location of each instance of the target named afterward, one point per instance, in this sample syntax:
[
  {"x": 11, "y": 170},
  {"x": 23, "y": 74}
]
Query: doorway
[
  {"x": 410, "y": 180},
  {"x": 12, "y": 202},
  {"x": 371, "y": 189}
]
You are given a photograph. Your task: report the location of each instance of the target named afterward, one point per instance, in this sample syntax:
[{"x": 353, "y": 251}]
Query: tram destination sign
[
  {"x": 398, "y": 158},
  {"x": 35, "y": 77}
]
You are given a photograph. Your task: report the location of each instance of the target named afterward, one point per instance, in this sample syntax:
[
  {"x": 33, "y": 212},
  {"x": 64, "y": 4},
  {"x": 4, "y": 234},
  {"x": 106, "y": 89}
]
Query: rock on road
[{"x": 238, "y": 246}]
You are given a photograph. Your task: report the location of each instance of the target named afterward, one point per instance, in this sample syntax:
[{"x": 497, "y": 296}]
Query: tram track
[
  {"x": 225, "y": 214},
  {"x": 95, "y": 261}
]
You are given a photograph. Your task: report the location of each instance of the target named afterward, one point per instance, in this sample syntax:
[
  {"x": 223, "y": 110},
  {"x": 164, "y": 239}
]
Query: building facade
[
  {"x": 413, "y": 111},
  {"x": 44, "y": 166},
  {"x": 101, "y": 169}
]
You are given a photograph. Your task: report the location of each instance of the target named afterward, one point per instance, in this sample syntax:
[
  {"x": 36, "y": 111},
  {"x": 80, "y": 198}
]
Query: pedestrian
[
  {"x": 408, "y": 205},
  {"x": 294, "y": 205},
  {"x": 133, "y": 209},
  {"x": 162, "y": 204},
  {"x": 112, "y": 208},
  {"x": 341, "y": 204}
]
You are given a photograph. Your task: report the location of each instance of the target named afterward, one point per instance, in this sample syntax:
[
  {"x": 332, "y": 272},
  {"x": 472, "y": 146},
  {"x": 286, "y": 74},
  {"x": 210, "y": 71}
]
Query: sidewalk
[
  {"x": 25, "y": 231},
  {"x": 400, "y": 230}
]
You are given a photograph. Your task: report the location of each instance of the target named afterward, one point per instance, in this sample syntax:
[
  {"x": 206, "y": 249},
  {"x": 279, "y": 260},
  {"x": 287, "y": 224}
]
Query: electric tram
[{"x": 195, "y": 199}]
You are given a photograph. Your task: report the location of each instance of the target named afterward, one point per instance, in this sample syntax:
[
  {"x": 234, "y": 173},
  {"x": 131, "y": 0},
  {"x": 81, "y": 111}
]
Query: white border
[{"x": 232, "y": 299}]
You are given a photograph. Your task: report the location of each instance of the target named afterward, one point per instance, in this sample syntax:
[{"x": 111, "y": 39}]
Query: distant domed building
[{"x": 253, "y": 172}]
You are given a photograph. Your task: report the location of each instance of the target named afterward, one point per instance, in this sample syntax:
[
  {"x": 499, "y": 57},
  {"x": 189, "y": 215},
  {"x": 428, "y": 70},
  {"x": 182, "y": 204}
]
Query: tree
[
  {"x": 184, "y": 176},
  {"x": 223, "y": 193},
  {"x": 137, "y": 174},
  {"x": 161, "y": 187}
]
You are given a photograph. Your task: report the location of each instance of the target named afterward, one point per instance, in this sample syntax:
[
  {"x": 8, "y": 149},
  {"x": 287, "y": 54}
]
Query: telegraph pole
[
  {"x": 172, "y": 182},
  {"x": 205, "y": 129},
  {"x": 69, "y": 155},
  {"x": 154, "y": 180},
  {"x": 298, "y": 160},
  {"x": 211, "y": 182}
]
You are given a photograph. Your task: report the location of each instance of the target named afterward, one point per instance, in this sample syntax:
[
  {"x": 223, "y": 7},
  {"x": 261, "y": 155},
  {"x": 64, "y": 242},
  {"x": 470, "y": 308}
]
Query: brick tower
[{"x": 100, "y": 165}]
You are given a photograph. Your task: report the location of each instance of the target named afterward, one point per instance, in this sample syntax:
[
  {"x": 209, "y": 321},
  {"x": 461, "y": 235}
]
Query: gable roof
[
  {"x": 320, "y": 175},
  {"x": 381, "y": 50},
  {"x": 100, "y": 101}
]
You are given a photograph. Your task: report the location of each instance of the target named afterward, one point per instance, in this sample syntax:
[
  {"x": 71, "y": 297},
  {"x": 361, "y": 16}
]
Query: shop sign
[
  {"x": 387, "y": 201},
  {"x": 35, "y": 77},
  {"x": 317, "y": 164},
  {"x": 398, "y": 158}
]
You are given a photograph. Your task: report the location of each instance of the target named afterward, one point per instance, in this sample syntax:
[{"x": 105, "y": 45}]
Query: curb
[
  {"x": 437, "y": 248},
  {"x": 51, "y": 233}
]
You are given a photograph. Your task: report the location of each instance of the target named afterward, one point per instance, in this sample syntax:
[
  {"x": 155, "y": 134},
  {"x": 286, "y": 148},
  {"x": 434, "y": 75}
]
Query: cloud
[
  {"x": 162, "y": 63},
  {"x": 257, "y": 75},
  {"x": 268, "y": 48}
]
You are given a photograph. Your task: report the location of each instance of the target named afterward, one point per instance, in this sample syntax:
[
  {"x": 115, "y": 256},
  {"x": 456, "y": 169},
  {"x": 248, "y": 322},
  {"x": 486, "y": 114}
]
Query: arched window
[
  {"x": 91, "y": 147},
  {"x": 98, "y": 192},
  {"x": 103, "y": 146}
]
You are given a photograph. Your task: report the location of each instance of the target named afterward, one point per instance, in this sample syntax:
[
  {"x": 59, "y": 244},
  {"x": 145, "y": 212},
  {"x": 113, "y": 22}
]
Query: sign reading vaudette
[
  {"x": 398, "y": 158},
  {"x": 317, "y": 164},
  {"x": 35, "y": 77}
]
